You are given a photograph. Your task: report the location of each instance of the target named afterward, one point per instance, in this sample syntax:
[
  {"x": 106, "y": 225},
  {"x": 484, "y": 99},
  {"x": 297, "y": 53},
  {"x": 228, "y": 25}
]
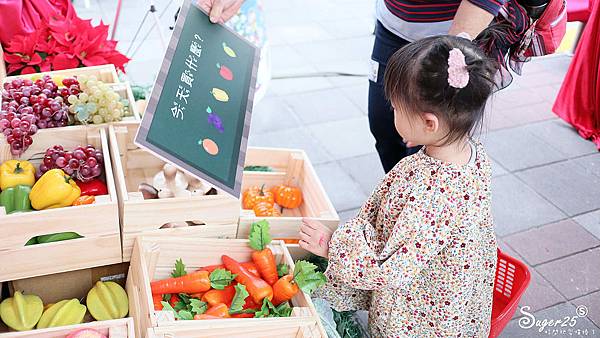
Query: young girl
[{"x": 421, "y": 254}]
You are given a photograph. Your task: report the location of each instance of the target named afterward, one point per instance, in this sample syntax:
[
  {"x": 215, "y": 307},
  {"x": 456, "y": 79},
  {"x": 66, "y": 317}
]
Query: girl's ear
[{"x": 432, "y": 123}]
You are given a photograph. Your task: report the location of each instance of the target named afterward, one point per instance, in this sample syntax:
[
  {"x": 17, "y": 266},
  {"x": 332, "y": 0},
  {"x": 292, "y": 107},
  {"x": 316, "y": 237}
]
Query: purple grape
[{"x": 61, "y": 162}]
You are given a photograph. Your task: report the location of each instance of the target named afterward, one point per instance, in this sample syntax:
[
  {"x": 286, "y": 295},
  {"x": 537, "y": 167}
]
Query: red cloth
[
  {"x": 23, "y": 16},
  {"x": 578, "y": 101}
]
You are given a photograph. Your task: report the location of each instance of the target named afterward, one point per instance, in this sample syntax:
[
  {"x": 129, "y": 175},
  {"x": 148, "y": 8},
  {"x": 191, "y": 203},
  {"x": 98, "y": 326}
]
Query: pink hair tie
[{"x": 458, "y": 74}]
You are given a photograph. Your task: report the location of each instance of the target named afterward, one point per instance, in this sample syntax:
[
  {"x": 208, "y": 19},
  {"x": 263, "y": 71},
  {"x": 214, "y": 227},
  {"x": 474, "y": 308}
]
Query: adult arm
[{"x": 473, "y": 16}]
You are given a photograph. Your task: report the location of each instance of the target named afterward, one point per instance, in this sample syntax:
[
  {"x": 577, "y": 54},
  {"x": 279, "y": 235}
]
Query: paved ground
[{"x": 546, "y": 184}]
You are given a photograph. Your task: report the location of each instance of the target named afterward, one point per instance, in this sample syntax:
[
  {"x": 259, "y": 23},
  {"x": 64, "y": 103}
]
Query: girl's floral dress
[{"x": 421, "y": 254}]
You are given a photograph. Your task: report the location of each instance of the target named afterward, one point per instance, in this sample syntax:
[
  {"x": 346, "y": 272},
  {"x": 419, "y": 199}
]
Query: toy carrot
[
  {"x": 156, "y": 299},
  {"x": 304, "y": 278},
  {"x": 257, "y": 287},
  {"x": 219, "y": 310},
  {"x": 263, "y": 257},
  {"x": 194, "y": 282},
  {"x": 284, "y": 289},
  {"x": 214, "y": 297},
  {"x": 248, "y": 265}
]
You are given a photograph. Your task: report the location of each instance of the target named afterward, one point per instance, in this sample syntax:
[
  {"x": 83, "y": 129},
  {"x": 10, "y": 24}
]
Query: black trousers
[{"x": 388, "y": 142}]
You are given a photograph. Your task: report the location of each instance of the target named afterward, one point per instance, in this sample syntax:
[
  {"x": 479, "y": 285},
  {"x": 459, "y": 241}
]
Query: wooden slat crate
[
  {"x": 107, "y": 74},
  {"x": 104, "y": 73},
  {"x": 73, "y": 284},
  {"x": 98, "y": 223},
  {"x": 153, "y": 259},
  {"x": 118, "y": 328},
  {"x": 132, "y": 166},
  {"x": 291, "y": 166}
]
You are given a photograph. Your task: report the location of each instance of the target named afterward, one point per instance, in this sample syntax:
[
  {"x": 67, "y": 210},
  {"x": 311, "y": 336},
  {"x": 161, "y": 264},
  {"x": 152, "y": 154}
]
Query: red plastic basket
[{"x": 512, "y": 278}]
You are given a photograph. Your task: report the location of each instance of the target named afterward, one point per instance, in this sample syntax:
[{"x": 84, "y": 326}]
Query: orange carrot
[
  {"x": 157, "y": 299},
  {"x": 219, "y": 310},
  {"x": 214, "y": 297},
  {"x": 284, "y": 289},
  {"x": 288, "y": 240},
  {"x": 194, "y": 282},
  {"x": 257, "y": 288},
  {"x": 243, "y": 315},
  {"x": 265, "y": 262},
  {"x": 248, "y": 265},
  {"x": 205, "y": 316}
]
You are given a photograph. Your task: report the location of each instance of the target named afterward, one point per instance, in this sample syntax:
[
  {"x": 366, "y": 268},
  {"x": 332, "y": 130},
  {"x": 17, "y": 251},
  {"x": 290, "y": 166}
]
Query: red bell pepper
[{"x": 94, "y": 187}]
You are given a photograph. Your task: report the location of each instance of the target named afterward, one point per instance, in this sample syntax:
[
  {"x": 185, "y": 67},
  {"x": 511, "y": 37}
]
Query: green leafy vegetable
[
  {"x": 283, "y": 269},
  {"x": 185, "y": 315},
  {"x": 307, "y": 278},
  {"x": 269, "y": 310},
  {"x": 179, "y": 269},
  {"x": 197, "y": 307},
  {"x": 258, "y": 168},
  {"x": 320, "y": 262},
  {"x": 237, "y": 304},
  {"x": 346, "y": 325},
  {"x": 180, "y": 305},
  {"x": 182, "y": 315},
  {"x": 220, "y": 278},
  {"x": 259, "y": 235}
]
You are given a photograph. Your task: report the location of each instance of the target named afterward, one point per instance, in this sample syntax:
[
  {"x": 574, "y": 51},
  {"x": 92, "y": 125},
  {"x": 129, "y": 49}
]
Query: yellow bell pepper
[
  {"x": 54, "y": 189},
  {"x": 15, "y": 172}
]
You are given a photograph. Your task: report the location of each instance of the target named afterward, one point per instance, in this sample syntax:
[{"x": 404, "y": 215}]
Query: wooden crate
[
  {"x": 98, "y": 223},
  {"x": 132, "y": 166},
  {"x": 118, "y": 328},
  {"x": 153, "y": 259},
  {"x": 291, "y": 166},
  {"x": 73, "y": 284},
  {"x": 104, "y": 73}
]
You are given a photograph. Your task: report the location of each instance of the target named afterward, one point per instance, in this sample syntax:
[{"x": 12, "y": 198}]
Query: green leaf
[
  {"x": 307, "y": 278},
  {"x": 264, "y": 310},
  {"x": 185, "y": 315},
  {"x": 283, "y": 269},
  {"x": 168, "y": 307},
  {"x": 220, "y": 278},
  {"x": 198, "y": 307},
  {"x": 283, "y": 310},
  {"x": 237, "y": 304},
  {"x": 180, "y": 305},
  {"x": 166, "y": 297},
  {"x": 258, "y": 168},
  {"x": 259, "y": 235},
  {"x": 179, "y": 269}
]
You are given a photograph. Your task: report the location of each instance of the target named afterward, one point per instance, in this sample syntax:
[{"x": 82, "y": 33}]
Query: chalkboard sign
[{"x": 198, "y": 115}]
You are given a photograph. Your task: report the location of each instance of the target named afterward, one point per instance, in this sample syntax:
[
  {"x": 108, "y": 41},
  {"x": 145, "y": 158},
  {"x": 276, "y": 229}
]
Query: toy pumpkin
[
  {"x": 264, "y": 209},
  {"x": 287, "y": 196},
  {"x": 254, "y": 195}
]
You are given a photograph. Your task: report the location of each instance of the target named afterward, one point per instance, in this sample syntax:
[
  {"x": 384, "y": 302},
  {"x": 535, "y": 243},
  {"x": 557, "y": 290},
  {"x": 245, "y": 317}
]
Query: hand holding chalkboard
[
  {"x": 221, "y": 10},
  {"x": 198, "y": 115}
]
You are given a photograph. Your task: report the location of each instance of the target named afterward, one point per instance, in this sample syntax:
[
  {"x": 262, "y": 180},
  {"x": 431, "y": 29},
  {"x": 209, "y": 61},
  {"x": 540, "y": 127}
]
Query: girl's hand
[
  {"x": 221, "y": 10},
  {"x": 314, "y": 237}
]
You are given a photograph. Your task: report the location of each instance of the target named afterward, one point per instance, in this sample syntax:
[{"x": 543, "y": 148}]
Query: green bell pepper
[{"x": 16, "y": 199}]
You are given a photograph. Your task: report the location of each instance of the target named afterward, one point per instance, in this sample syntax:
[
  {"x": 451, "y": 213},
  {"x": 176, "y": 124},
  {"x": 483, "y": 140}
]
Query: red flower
[{"x": 62, "y": 43}]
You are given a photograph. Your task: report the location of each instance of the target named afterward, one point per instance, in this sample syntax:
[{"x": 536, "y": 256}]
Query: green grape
[
  {"x": 117, "y": 114},
  {"x": 92, "y": 107},
  {"x": 83, "y": 97},
  {"x": 102, "y": 112},
  {"x": 72, "y": 99},
  {"x": 72, "y": 109},
  {"x": 97, "y": 119}
]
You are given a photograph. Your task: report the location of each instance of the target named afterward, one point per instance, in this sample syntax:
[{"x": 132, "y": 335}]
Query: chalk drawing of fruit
[
  {"x": 215, "y": 120},
  {"x": 220, "y": 94},
  {"x": 228, "y": 50},
  {"x": 209, "y": 146},
  {"x": 225, "y": 72}
]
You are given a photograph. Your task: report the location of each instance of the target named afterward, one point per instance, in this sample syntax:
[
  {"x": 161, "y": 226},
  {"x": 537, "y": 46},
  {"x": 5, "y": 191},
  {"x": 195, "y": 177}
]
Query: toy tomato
[
  {"x": 255, "y": 195},
  {"x": 288, "y": 196}
]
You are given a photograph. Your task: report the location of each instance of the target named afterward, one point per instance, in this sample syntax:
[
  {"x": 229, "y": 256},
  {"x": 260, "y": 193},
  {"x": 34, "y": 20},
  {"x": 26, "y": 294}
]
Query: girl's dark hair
[{"x": 416, "y": 79}]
